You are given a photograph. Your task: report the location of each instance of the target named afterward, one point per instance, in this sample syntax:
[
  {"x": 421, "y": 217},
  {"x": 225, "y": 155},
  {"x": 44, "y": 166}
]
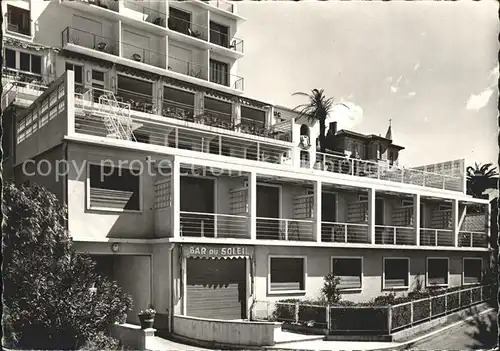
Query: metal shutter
[{"x": 216, "y": 288}]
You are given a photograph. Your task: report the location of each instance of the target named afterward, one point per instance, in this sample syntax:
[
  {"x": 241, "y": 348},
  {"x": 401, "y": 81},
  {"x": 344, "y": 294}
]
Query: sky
[{"x": 431, "y": 67}]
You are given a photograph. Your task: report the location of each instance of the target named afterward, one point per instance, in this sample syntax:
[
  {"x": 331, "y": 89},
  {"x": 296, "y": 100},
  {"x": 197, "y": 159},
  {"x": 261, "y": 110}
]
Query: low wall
[
  {"x": 221, "y": 332},
  {"x": 132, "y": 336}
]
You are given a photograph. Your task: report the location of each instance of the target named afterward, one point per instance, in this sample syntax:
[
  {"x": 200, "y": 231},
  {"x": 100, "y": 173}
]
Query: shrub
[
  {"x": 101, "y": 341},
  {"x": 53, "y": 298},
  {"x": 330, "y": 290}
]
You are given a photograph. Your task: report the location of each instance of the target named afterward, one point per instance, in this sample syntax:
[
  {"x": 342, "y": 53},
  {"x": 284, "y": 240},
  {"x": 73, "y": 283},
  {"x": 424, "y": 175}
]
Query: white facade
[{"x": 141, "y": 87}]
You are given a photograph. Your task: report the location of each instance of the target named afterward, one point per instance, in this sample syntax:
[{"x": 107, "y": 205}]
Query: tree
[
  {"x": 53, "y": 297},
  {"x": 481, "y": 178},
  {"x": 317, "y": 109}
]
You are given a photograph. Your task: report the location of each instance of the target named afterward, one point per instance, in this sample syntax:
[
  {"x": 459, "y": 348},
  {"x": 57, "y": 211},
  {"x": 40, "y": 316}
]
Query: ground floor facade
[{"x": 232, "y": 281}]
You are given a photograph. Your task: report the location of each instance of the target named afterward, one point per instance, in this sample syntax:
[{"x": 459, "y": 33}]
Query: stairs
[{"x": 116, "y": 117}]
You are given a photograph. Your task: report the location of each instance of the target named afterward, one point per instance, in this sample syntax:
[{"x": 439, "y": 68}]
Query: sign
[{"x": 218, "y": 251}]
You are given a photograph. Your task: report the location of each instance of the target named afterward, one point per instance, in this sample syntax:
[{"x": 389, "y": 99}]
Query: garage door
[{"x": 216, "y": 288}]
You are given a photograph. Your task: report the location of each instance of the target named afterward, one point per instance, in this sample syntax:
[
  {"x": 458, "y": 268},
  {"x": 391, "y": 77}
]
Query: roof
[{"x": 366, "y": 137}]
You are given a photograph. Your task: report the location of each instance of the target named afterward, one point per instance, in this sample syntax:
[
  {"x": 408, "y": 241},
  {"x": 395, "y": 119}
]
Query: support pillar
[
  {"x": 416, "y": 218},
  {"x": 70, "y": 100},
  {"x": 175, "y": 198},
  {"x": 317, "y": 210},
  {"x": 455, "y": 221},
  {"x": 371, "y": 215},
  {"x": 252, "y": 204}
]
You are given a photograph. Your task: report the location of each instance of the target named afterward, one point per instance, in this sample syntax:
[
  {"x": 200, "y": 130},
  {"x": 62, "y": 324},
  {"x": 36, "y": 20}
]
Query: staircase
[{"x": 116, "y": 117}]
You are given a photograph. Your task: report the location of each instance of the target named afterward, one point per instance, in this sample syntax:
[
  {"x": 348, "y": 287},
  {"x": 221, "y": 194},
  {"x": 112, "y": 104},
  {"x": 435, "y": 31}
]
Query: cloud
[
  {"x": 478, "y": 101},
  {"x": 346, "y": 117},
  {"x": 494, "y": 73},
  {"x": 412, "y": 93},
  {"x": 395, "y": 87},
  {"x": 416, "y": 66},
  {"x": 426, "y": 119}
]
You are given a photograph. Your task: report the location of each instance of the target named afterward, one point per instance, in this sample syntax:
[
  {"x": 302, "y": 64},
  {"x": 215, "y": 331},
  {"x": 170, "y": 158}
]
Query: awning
[
  {"x": 217, "y": 251},
  {"x": 83, "y": 57},
  {"x": 137, "y": 72}
]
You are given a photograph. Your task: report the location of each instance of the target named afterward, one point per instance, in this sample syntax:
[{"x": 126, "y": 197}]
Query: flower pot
[{"x": 147, "y": 321}]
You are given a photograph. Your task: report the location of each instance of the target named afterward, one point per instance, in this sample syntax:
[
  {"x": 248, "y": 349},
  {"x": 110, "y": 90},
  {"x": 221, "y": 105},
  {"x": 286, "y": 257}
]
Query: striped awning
[
  {"x": 26, "y": 45},
  {"x": 82, "y": 57},
  {"x": 137, "y": 72}
]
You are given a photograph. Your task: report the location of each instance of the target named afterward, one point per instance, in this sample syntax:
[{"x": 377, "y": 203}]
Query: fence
[{"x": 370, "y": 319}]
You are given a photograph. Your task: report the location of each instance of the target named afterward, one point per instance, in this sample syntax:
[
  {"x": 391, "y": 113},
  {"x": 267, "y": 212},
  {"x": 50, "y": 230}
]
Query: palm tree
[
  {"x": 317, "y": 109},
  {"x": 480, "y": 178}
]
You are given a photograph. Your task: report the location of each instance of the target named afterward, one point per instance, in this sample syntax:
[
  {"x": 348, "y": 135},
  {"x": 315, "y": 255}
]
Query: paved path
[
  {"x": 479, "y": 333},
  {"x": 168, "y": 345}
]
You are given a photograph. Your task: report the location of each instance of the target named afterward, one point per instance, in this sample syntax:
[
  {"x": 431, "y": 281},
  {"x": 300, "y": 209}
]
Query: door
[
  {"x": 268, "y": 203},
  {"x": 197, "y": 198},
  {"x": 379, "y": 212},
  {"x": 97, "y": 84},
  {"x": 216, "y": 288},
  {"x": 329, "y": 214}
]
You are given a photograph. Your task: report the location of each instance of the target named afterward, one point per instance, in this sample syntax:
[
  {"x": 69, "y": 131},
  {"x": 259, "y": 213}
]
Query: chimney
[{"x": 333, "y": 128}]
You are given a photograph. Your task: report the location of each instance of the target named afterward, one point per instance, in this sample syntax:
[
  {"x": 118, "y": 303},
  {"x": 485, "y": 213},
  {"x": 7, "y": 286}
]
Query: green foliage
[
  {"x": 101, "y": 341},
  {"x": 330, "y": 290},
  {"x": 53, "y": 298}
]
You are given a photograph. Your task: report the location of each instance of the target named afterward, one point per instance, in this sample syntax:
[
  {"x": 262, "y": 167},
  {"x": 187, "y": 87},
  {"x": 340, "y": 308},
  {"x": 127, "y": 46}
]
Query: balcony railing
[
  {"x": 21, "y": 86},
  {"x": 472, "y": 239},
  {"x": 436, "y": 237},
  {"x": 105, "y": 4},
  {"x": 138, "y": 54},
  {"x": 187, "y": 27},
  {"x": 90, "y": 41},
  {"x": 391, "y": 235},
  {"x": 203, "y": 72},
  {"x": 221, "y": 4},
  {"x": 334, "y": 232},
  {"x": 362, "y": 168},
  {"x": 224, "y": 40},
  {"x": 137, "y": 101},
  {"x": 214, "y": 225},
  {"x": 144, "y": 13},
  {"x": 284, "y": 229}
]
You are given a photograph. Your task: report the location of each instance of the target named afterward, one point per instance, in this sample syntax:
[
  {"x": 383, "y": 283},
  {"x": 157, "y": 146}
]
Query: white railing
[
  {"x": 284, "y": 229},
  {"x": 336, "y": 232},
  {"x": 384, "y": 171},
  {"x": 408, "y": 314},
  {"x": 392, "y": 235},
  {"x": 436, "y": 237},
  {"x": 214, "y": 225},
  {"x": 472, "y": 239}
]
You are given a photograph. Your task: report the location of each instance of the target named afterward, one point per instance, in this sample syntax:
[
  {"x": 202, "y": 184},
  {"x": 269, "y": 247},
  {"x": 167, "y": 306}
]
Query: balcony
[
  {"x": 21, "y": 87},
  {"x": 285, "y": 229},
  {"x": 335, "y": 232},
  {"x": 383, "y": 171},
  {"x": 184, "y": 30},
  {"x": 436, "y": 237},
  {"x": 221, "y": 4},
  {"x": 472, "y": 239},
  {"x": 135, "y": 11}
]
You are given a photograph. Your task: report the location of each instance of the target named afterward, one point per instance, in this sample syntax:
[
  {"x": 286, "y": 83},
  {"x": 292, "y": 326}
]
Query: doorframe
[{"x": 311, "y": 192}]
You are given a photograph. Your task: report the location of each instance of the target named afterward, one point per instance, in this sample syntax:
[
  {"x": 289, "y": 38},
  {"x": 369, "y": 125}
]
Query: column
[
  {"x": 70, "y": 100},
  {"x": 455, "y": 221},
  {"x": 488, "y": 224},
  {"x": 252, "y": 204},
  {"x": 199, "y": 103},
  {"x": 175, "y": 198},
  {"x": 416, "y": 217},
  {"x": 371, "y": 215},
  {"x": 317, "y": 210}
]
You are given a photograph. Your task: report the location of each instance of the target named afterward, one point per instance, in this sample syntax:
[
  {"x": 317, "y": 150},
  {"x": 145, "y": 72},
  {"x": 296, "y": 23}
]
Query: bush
[
  {"x": 101, "y": 341},
  {"x": 53, "y": 298},
  {"x": 330, "y": 291}
]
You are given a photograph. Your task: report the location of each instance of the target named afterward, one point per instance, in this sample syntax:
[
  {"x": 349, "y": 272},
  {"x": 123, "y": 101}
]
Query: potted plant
[{"x": 147, "y": 317}]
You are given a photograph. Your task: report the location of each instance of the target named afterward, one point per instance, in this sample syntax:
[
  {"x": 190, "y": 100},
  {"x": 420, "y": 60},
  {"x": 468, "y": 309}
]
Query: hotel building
[{"x": 210, "y": 200}]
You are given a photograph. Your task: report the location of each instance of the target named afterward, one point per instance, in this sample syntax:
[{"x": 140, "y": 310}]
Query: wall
[
  {"x": 136, "y": 41},
  {"x": 44, "y": 171},
  {"x": 100, "y": 225},
  {"x": 319, "y": 264},
  {"x": 225, "y": 332}
]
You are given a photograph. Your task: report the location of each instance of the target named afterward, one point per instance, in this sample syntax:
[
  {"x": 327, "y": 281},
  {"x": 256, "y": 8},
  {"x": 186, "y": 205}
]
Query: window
[
  {"x": 349, "y": 270},
  {"x": 18, "y": 20},
  {"x": 219, "y": 34},
  {"x": 179, "y": 20},
  {"x": 472, "y": 270},
  {"x": 113, "y": 188},
  {"x": 10, "y": 58},
  {"x": 78, "y": 72},
  {"x": 219, "y": 72},
  {"x": 286, "y": 274},
  {"x": 249, "y": 115},
  {"x": 396, "y": 273},
  {"x": 30, "y": 63},
  {"x": 437, "y": 271}
]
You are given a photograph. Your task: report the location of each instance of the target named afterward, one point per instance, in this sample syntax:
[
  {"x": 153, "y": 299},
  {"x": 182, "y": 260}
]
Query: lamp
[{"x": 115, "y": 247}]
